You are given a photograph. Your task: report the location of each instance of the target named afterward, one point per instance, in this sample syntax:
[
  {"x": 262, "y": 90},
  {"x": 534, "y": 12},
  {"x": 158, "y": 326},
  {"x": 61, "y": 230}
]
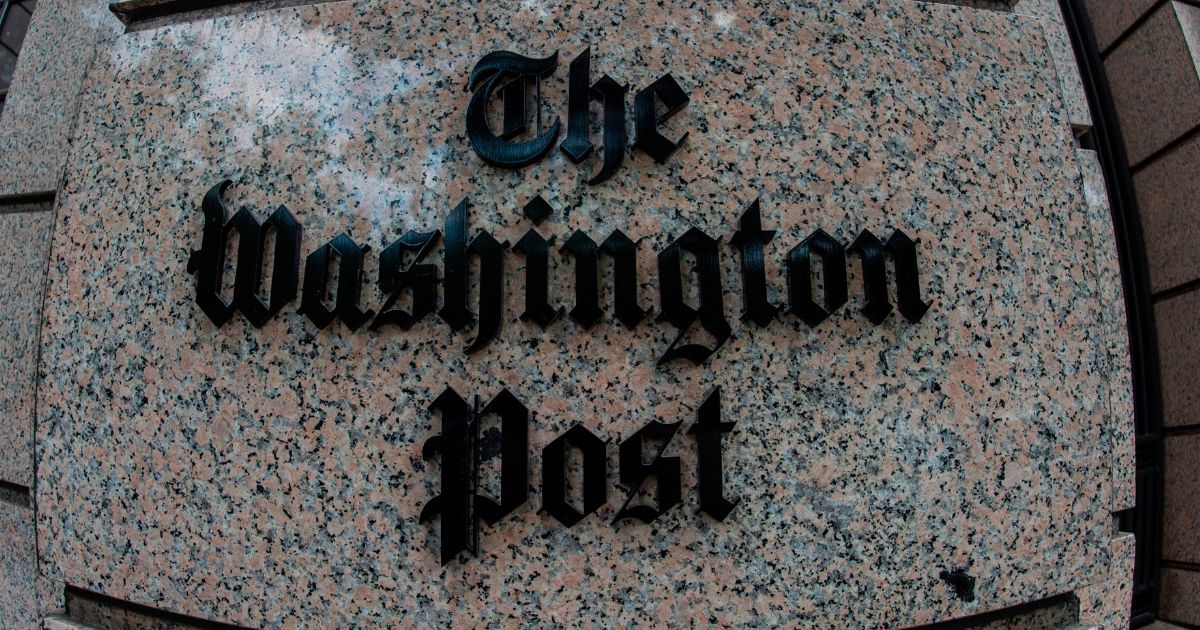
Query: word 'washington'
[
  {"x": 420, "y": 279},
  {"x": 461, "y": 450}
]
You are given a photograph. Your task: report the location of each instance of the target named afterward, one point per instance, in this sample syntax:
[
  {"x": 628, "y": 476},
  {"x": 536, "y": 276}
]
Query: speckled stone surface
[
  {"x": 1166, "y": 192},
  {"x": 1111, "y": 19},
  {"x": 20, "y": 585},
  {"x": 989, "y": 5},
  {"x": 1177, "y": 319},
  {"x": 1061, "y": 615},
  {"x": 25, "y": 235},
  {"x": 91, "y": 612},
  {"x": 1180, "y": 592},
  {"x": 1181, "y": 490},
  {"x": 133, "y": 12},
  {"x": 39, "y": 113},
  {"x": 1113, "y": 319},
  {"x": 1106, "y": 604},
  {"x": 1155, "y": 78},
  {"x": 274, "y": 477},
  {"x": 1163, "y": 625},
  {"x": 1050, "y": 14},
  {"x": 63, "y": 623}
]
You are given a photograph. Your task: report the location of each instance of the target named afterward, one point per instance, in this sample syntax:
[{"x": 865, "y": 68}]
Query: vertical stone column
[
  {"x": 1151, "y": 53},
  {"x": 43, "y": 101},
  {"x": 1105, "y": 603},
  {"x": 35, "y": 128}
]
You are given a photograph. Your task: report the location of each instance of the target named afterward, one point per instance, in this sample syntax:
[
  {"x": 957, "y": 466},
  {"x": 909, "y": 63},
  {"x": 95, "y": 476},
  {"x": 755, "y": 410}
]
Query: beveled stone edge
[
  {"x": 173, "y": 13},
  {"x": 16, "y": 494},
  {"x": 139, "y": 15},
  {"x": 59, "y": 622}
]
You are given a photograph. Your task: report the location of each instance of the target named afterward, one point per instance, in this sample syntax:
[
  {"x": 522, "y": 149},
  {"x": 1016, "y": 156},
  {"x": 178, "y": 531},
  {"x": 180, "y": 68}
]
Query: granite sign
[
  {"x": 460, "y": 447},
  {"x": 398, "y": 346},
  {"x": 420, "y": 278},
  {"x": 508, "y": 75}
]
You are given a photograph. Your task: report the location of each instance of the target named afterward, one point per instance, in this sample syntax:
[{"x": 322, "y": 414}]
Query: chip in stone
[{"x": 537, "y": 210}]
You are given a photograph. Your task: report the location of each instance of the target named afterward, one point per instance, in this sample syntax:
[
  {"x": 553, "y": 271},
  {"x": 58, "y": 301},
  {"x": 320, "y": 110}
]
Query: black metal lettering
[
  {"x": 908, "y": 278},
  {"x": 513, "y": 95},
  {"x": 646, "y": 120},
  {"x": 577, "y": 147},
  {"x": 709, "y": 473},
  {"x": 491, "y": 287},
  {"x": 456, "y": 446},
  {"x": 675, "y": 309},
  {"x": 908, "y": 283},
  {"x": 537, "y": 279},
  {"x": 874, "y": 272},
  {"x": 514, "y": 463},
  {"x": 420, "y": 278},
  {"x": 454, "y": 261},
  {"x": 623, "y": 251},
  {"x": 612, "y": 94},
  {"x": 833, "y": 266},
  {"x": 750, "y": 240},
  {"x": 208, "y": 262},
  {"x": 584, "y": 251},
  {"x": 491, "y": 281},
  {"x": 586, "y": 254},
  {"x": 634, "y": 473},
  {"x": 537, "y": 210},
  {"x": 350, "y": 272},
  {"x": 508, "y": 70},
  {"x": 554, "y": 475}
]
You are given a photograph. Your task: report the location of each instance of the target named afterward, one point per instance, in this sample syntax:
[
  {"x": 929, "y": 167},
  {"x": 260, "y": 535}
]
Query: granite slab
[
  {"x": 1154, "y": 74},
  {"x": 39, "y": 111},
  {"x": 63, "y": 623},
  {"x": 1177, "y": 320},
  {"x": 1050, "y": 14},
  {"x": 274, "y": 476},
  {"x": 1111, "y": 20},
  {"x": 1114, "y": 319},
  {"x": 1180, "y": 497},
  {"x": 26, "y": 593},
  {"x": 25, "y": 235},
  {"x": 1166, "y": 194},
  {"x": 1180, "y": 592},
  {"x": 1106, "y": 604}
]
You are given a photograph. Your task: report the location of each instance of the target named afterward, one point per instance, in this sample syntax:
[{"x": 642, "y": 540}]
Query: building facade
[{"x": 837, "y": 313}]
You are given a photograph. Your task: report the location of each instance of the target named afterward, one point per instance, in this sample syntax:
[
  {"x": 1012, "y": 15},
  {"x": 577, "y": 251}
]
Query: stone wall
[
  {"x": 38, "y": 118},
  {"x": 160, "y": 469},
  {"x": 1151, "y": 52}
]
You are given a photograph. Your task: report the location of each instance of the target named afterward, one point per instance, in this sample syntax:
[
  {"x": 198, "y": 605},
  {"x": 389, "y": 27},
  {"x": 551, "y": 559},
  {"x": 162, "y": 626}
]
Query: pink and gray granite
[
  {"x": 39, "y": 113},
  {"x": 274, "y": 477},
  {"x": 1049, "y": 13},
  {"x": 1181, "y": 490},
  {"x": 1113, "y": 319},
  {"x": 1177, "y": 319},
  {"x": 25, "y": 593},
  {"x": 1061, "y": 615},
  {"x": 25, "y": 233},
  {"x": 1105, "y": 604},
  {"x": 1110, "y": 20},
  {"x": 63, "y": 623}
]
